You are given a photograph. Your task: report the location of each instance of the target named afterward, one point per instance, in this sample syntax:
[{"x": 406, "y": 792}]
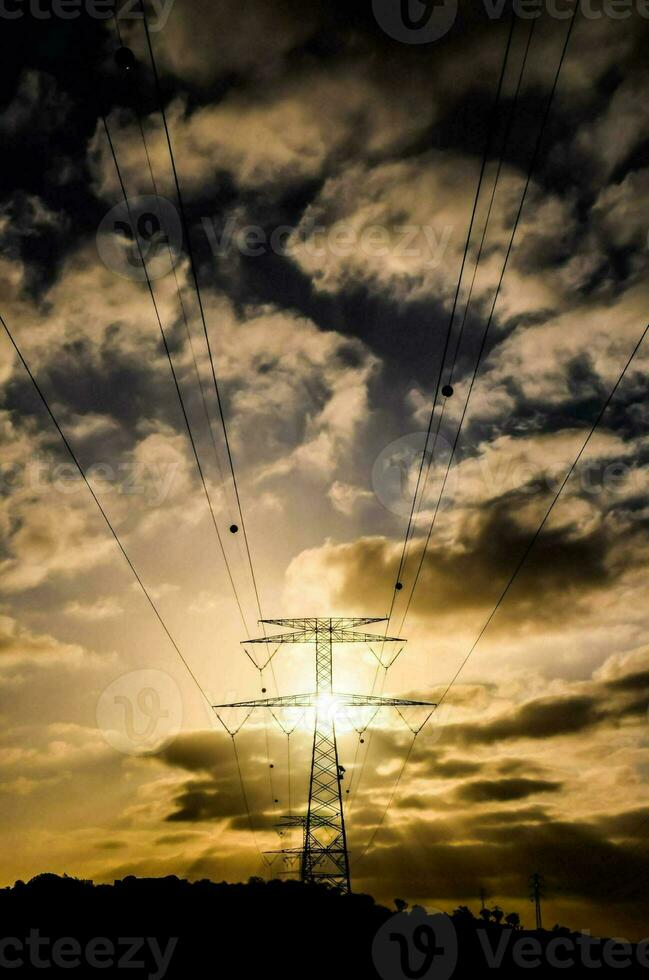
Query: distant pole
[
  {"x": 536, "y": 893},
  {"x": 483, "y": 899}
]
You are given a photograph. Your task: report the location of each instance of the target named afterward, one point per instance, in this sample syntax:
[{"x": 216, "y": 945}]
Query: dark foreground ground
[{"x": 171, "y": 928}]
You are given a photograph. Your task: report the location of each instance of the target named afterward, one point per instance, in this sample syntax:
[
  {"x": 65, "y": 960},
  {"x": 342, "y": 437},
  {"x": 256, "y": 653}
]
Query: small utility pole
[
  {"x": 536, "y": 893},
  {"x": 483, "y": 899}
]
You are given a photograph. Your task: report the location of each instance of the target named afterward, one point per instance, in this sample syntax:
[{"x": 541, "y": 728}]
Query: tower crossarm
[
  {"x": 360, "y": 700},
  {"x": 318, "y": 622},
  {"x": 284, "y": 701},
  {"x": 338, "y": 634},
  {"x": 328, "y": 702}
]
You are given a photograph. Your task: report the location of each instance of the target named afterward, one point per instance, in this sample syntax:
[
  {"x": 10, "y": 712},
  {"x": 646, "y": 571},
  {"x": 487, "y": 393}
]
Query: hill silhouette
[{"x": 169, "y": 927}]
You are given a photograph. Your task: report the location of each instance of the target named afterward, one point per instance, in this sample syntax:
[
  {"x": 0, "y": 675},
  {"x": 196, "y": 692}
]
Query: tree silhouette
[
  {"x": 464, "y": 913},
  {"x": 497, "y": 914},
  {"x": 513, "y": 920}
]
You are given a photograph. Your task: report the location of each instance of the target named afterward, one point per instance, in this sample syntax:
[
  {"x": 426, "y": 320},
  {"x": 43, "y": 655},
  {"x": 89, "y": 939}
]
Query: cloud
[
  {"x": 609, "y": 139},
  {"x": 465, "y": 573},
  {"x": 26, "y": 216},
  {"x": 40, "y": 546},
  {"x": 573, "y": 853},
  {"x": 288, "y": 136},
  {"x": 251, "y": 36},
  {"x": 398, "y": 228},
  {"x": 620, "y": 208},
  {"x": 104, "y": 608},
  {"x": 37, "y": 104},
  {"x": 452, "y": 768},
  {"x": 18, "y": 645},
  {"x": 201, "y": 801},
  {"x": 214, "y": 792},
  {"x": 504, "y": 790},
  {"x": 540, "y": 719},
  {"x": 198, "y": 752},
  {"x": 346, "y": 497}
]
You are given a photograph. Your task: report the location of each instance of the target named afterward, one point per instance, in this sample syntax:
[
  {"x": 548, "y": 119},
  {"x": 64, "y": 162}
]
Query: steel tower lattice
[{"x": 325, "y": 858}]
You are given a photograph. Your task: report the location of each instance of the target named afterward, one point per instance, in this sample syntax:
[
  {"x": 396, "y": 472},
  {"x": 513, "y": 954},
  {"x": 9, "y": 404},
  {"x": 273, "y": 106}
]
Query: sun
[{"x": 328, "y": 705}]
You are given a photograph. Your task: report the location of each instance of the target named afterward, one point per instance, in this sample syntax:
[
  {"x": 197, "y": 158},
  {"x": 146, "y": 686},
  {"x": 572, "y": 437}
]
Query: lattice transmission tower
[{"x": 324, "y": 853}]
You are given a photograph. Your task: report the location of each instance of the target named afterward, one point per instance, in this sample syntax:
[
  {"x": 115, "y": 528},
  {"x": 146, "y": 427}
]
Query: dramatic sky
[{"x": 361, "y": 152}]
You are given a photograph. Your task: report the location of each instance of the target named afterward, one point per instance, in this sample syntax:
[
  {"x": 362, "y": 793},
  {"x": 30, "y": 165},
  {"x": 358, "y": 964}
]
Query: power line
[
  {"x": 411, "y": 518},
  {"x": 182, "y": 306},
  {"x": 533, "y": 539},
  {"x": 103, "y": 513},
  {"x": 174, "y": 375},
  {"x": 538, "y": 531},
  {"x": 501, "y": 161},
  {"x": 244, "y": 795},
  {"x": 177, "y": 385},
  {"x": 138, "y": 115},
  {"x": 483, "y": 166},
  {"x": 467, "y": 304},
  {"x": 390, "y": 800},
  {"x": 192, "y": 262},
  {"x": 485, "y": 335}
]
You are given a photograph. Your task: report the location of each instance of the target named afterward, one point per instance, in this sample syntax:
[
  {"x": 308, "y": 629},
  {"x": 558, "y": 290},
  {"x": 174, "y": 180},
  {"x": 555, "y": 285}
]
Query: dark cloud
[
  {"x": 576, "y": 857},
  {"x": 198, "y": 752},
  {"x": 454, "y": 769},
  {"x": 567, "y": 568},
  {"x": 638, "y": 681},
  {"x": 631, "y": 825},
  {"x": 175, "y": 839},
  {"x": 37, "y": 105},
  {"x": 540, "y": 719},
  {"x": 199, "y": 800},
  {"x": 503, "y": 790},
  {"x": 506, "y": 818},
  {"x": 219, "y": 794}
]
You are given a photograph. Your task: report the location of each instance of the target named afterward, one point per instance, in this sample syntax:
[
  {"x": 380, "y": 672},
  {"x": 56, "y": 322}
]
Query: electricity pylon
[{"x": 325, "y": 858}]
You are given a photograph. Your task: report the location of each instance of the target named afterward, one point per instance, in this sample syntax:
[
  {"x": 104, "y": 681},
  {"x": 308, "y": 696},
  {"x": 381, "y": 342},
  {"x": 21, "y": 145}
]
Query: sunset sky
[{"x": 328, "y": 171}]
